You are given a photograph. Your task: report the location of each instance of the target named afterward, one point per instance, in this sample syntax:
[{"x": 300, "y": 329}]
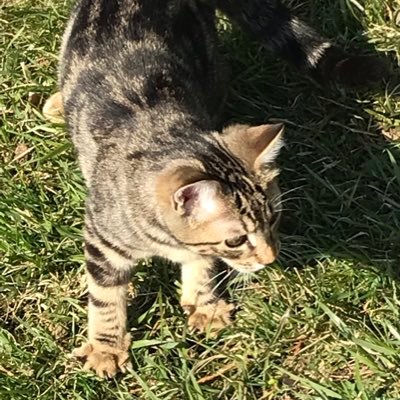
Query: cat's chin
[{"x": 244, "y": 269}]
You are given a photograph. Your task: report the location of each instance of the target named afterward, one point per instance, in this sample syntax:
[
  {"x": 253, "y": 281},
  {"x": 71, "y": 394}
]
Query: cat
[
  {"x": 272, "y": 24},
  {"x": 141, "y": 89}
]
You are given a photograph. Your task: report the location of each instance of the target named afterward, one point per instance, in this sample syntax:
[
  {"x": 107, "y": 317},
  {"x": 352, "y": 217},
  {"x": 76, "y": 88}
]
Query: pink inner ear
[
  {"x": 186, "y": 198},
  {"x": 199, "y": 199}
]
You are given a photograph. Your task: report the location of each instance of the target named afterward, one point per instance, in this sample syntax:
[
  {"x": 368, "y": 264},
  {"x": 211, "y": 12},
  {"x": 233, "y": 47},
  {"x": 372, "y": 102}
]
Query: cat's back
[
  {"x": 126, "y": 39},
  {"x": 132, "y": 71},
  {"x": 96, "y": 25}
]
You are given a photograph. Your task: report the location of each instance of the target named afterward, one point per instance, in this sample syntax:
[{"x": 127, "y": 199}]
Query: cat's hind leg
[
  {"x": 205, "y": 310},
  {"x": 108, "y": 274},
  {"x": 53, "y": 109}
]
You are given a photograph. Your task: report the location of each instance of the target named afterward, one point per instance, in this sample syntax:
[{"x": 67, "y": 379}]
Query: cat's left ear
[
  {"x": 267, "y": 141},
  {"x": 256, "y": 145}
]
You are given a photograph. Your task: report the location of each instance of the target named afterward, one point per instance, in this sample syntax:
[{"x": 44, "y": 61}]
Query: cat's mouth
[{"x": 245, "y": 269}]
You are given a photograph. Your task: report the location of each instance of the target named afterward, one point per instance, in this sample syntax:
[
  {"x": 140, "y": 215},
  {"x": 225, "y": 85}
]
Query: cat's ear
[
  {"x": 256, "y": 145},
  {"x": 187, "y": 191},
  {"x": 198, "y": 200},
  {"x": 267, "y": 141}
]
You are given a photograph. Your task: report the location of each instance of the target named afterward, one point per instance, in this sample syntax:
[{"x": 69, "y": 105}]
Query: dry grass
[{"x": 324, "y": 324}]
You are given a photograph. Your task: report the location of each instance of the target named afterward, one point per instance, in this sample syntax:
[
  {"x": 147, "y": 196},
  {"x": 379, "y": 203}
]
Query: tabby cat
[{"x": 141, "y": 87}]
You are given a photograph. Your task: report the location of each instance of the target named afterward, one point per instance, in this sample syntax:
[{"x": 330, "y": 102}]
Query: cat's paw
[
  {"x": 212, "y": 317},
  {"x": 53, "y": 109},
  {"x": 105, "y": 360}
]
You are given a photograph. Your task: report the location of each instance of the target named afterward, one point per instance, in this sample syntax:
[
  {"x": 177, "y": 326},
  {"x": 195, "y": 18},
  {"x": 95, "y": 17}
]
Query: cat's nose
[{"x": 268, "y": 256}]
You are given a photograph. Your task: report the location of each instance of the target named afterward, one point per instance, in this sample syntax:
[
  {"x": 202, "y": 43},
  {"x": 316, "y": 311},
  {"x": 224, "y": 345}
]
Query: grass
[{"x": 324, "y": 324}]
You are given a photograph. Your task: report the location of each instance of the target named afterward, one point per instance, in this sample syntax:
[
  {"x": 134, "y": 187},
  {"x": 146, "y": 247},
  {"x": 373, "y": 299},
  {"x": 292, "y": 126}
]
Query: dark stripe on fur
[
  {"x": 106, "y": 337},
  {"x": 93, "y": 231},
  {"x": 113, "y": 328},
  {"x": 111, "y": 319},
  {"x": 154, "y": 238},
  {"x": 107, "y": 19},
  {"x": 99, "y": 303},
  {"x": 201, "y": 243},
  {"x": 106, "y": 341},
  {"x": 105, "y": 312},
  {"x": 93, "y": 251},
  {"x": 106, "y": 275},
  {"x": 78, "y": 39}
]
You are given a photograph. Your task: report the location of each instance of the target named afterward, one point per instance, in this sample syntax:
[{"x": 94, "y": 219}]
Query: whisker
[
  {"x": 286, "y": 199},
  {"x": 232, "y": 285},
  {"x": 280, "y": 195},
  {"x": 248, "y": 279},
  {"x": 300, "y": 246},
  {"x": 287, "y": 209},
  {"x": 240, "y": 284},
  {"x": 221, "y": 281},
  {"x": 210, "y": 280},
  {"x": 287, "y": 253}
]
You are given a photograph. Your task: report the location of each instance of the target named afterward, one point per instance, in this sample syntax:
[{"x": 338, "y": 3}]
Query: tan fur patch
[
  {"x": 251, "y": 143},
  {"x": 179, "y": 174},
  {"x": 106, "y": 361},
  {"x": 195, "y": 279},
  {"x": 213, "y": 317},
  {"x": 53, "y": 109}
]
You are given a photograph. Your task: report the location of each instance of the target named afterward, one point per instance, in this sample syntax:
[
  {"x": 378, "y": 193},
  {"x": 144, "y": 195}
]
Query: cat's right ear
[
  {"x": 186, "y": 191},
  {"x": 198, "y": 200}
]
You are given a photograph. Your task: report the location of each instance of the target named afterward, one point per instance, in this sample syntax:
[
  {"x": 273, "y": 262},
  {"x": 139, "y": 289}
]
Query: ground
[{"x": 323, "y": 323}]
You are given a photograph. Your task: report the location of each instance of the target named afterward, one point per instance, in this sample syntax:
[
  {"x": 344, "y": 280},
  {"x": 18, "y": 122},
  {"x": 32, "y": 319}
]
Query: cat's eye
[{"x": 236, "y": 241}]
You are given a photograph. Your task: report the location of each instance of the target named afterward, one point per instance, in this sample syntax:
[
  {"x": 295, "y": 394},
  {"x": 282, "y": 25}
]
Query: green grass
[{"x": 324, "y": 324}]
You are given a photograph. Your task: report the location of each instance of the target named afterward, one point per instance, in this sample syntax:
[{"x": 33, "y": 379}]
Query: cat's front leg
[
  {"x": 200, "y": 299},
  {"x": 108, "y": 274}
]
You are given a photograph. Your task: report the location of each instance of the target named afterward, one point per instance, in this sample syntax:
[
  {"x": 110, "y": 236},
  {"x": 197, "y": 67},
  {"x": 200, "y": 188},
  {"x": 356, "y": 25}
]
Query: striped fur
[
  {"x": 141, "y": 86},
  {"x": 141, "y": 89}
]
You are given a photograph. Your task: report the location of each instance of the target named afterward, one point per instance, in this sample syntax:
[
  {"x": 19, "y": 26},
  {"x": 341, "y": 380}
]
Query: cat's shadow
[{"x": 339, "y": 171}]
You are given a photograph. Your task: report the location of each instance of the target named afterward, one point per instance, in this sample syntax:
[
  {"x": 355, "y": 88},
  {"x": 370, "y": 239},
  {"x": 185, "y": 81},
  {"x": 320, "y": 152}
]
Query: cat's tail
[
  {"x": 272, "y": 24},
  {"x": 53, "y": 109}
]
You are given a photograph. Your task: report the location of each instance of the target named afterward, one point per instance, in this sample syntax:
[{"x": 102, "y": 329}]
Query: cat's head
[{"x": 228, "y": 205}]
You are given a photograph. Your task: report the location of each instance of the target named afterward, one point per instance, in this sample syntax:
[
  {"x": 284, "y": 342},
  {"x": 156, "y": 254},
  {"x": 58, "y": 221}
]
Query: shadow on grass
[{"x": 340, "y": 168}]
